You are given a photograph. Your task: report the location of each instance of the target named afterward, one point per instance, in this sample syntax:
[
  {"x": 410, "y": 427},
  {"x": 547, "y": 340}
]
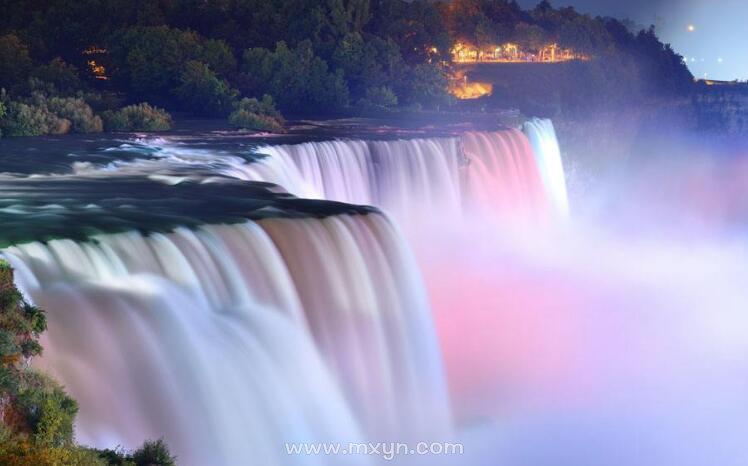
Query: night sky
[{"x": 716, "y": 48}]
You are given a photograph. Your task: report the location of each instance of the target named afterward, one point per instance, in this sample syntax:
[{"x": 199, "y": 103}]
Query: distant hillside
[{"x": 338, "y": 57}]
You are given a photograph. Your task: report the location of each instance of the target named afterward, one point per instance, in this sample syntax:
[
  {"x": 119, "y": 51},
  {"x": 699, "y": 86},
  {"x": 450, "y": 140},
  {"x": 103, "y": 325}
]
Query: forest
[{"x": 121, "y": 65}]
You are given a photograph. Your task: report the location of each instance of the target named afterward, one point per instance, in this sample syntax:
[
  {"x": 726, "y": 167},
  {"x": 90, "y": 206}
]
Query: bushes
[
  {"x": 201, "y": 92},
  {"x": 17, "y": 451},
  {"x": 154, "y": 453},
  {"x": 31, "y": 120},
  {"x": 140, "y": 117},
  {"x": 79, "y": 113},
  {"x": 258, "y": 115},
  {"x": 40, "y": 115},
  {"x": 48, "y": 410},
  {"x": 378, "y": 98},
  {"x": 62, "y": 76}
]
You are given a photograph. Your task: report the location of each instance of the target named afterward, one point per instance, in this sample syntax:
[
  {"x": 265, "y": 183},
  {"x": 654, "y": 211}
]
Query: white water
[
  {"x": 229, "y": 341},
  {"x": 495, "y": 173},
  {"x": 503, "y": 174},
  {"x": 547, "y": 153}
]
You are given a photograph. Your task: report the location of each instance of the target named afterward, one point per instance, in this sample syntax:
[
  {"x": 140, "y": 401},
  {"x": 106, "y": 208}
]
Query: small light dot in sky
[
  {"x": 691, "y": 28},
  {"x": 720, "y": 60}
]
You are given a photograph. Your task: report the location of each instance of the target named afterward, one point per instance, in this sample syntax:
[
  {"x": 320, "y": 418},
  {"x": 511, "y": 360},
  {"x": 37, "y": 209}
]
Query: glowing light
[
  {"x": 511, "y": 53},
  {"x": 465, "y": 90},
  {"x": 691, "y": 28}
]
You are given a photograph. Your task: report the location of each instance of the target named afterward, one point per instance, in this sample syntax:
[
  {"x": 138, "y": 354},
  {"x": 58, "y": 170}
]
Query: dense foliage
[
  {"x": 313, "y": 57},
  {"x": 258, "y": 115},
  {"x": 36, "y": 415},
  {"x": 140, "y": 117}
]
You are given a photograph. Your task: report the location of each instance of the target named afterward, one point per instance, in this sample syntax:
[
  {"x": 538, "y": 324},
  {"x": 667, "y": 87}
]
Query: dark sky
[{"x": 716, "y": 48}]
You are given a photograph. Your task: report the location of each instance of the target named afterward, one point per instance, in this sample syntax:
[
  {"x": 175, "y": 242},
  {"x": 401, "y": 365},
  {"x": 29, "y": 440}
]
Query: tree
[
  {"x": 297, "y": 79},
  {"x": 36, "y": 425},
  {"x": 530, "y": 36},
  {"x": 202, "y": 93},
  {"x": 426, "y": 85},
  {"x": 378, "y": 98},
  {"x": 15, "y": 62},
  {"x": 149, "y": 61},
  {"x": 154, "y": 453},
  {"x": 415, "y": 27},
  {"x": 367, "y": 63},
  {"x": 61, "y": 75}
]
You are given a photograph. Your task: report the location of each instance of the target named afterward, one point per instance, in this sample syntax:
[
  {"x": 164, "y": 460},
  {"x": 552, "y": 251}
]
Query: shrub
[
  {"x": 426, "y": 84},
  {"x": 201, "y": 92},
  {"x": 32, "y": 120},
  {"x": 253, "y": 121},
  {"x": 48, "y": 410},
  {"x": 79, "y": 113},
  {"x": 378, "y": 98},
  {"x": 259, "y": 115},
  {"x": 140, "y": 117},
  {"x": 154, "y": 453},
  {"x": 19, "y": 451}
]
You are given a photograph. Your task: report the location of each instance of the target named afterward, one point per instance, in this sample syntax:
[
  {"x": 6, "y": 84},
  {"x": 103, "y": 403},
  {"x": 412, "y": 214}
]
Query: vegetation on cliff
[{"x": 36, "y": 415}]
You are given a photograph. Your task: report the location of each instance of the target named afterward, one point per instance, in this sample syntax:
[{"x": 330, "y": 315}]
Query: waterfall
[
  {"x": 502, "y": 173},
  {"x": 230, "y": 340},
  {"x": 307, "y": 321},
  {"x": 545, "y": 146}
]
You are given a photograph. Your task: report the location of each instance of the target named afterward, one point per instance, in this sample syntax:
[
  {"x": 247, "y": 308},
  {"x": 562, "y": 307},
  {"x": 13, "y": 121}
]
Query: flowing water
[{"x": 235, "y": 296}]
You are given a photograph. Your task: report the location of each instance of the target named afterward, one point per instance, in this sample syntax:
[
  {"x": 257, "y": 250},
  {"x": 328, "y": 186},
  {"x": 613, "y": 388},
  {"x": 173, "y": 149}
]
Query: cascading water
[
  {"x": 231, "y": 340},
  {"x": 545, "y": 147},
  {"x": 504, "y": 173},
  {"x": 497, "y": 173},
  {"x": 231, "y": 337}
]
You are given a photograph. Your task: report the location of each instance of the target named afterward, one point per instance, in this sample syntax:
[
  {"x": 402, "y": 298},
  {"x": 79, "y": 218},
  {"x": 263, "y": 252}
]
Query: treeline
[
  {"x": 629, "y": 64},
  {"x": 36, "y": 414},
  {"x": 311, "y": 57}
]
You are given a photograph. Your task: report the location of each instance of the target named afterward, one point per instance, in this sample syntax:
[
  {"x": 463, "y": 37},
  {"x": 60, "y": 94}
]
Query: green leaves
[
  {"x": 202, "y": 92},
  {"x": 258, "y": 115},
  {"x": 140, "y": 117},
  {"x": 297, "y": 78}
]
